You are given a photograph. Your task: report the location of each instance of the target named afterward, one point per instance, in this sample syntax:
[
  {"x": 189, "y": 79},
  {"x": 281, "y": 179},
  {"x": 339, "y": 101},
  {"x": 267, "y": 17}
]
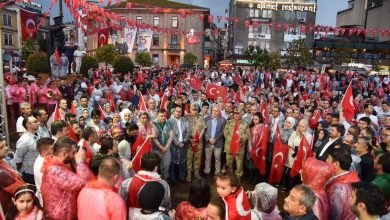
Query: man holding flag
[{"x": 236, "y": 133}]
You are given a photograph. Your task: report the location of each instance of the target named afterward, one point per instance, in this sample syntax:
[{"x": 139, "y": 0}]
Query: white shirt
[
  {"x": 19, "y": 125},
  {"x": 38, "y": 176},
  {"x": 327, "y": 146},
  {"x": 180, "y": 130},
  {"x": 26, "y": 152},
  {"x": 373, "y": 118}
]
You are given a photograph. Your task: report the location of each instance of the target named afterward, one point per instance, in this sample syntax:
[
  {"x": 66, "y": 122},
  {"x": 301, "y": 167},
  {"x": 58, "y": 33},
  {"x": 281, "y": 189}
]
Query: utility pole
[{"x": 3, "y": 101}]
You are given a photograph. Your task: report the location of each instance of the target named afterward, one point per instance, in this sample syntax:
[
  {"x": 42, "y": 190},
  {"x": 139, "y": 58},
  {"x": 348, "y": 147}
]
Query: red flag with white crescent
[
  {"x": 163, "y": 102},
  {"x": 102, "y": 37},
  {"x": 259, "y": 152},
  {"x": 303, "y": 153},
  {"x": 57, "y": 114},
  {"x": 88, "y": 152},
  {"x": 264, "y": 113},
  {"x": 111, "y": 100},
  {"x": 71, "y": 134},
  {"x": 279, "y": 158},
  {"x": 102, "y": 115},
  {"x": 214, "y": 91},
  {"x": 73, "y": 109},
  {"x": 28, "y": 21},
  {"x": 347, "y": 104},
  {"x": 314, "y": 120},
  {"x": 144, "y": 148},
  {"x": 235, "y": 142},
  {"x": 142, "y": 105},
  {"x": 195, "y": 83},
  {"x": 192, "y": 40}
]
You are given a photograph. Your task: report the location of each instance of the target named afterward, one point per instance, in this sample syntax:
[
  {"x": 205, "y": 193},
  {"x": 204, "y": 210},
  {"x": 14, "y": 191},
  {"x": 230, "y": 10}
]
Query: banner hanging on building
[
  {"x": 144, "y": 39},
  {"x": 102, "y": 37},
  {"x": 29, "y": 23},
  {"x": 129, "y": 39}
]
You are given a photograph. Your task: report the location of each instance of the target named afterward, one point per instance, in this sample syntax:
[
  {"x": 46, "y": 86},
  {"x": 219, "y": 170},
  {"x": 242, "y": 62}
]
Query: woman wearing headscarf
[
  {"x": 315, "y": 174},
  {"x": 125, "y": 115},
  {"x": 124, "y": 155},
  {"x": 264, "y": 198},
  {"x": 287, "y": 129}
]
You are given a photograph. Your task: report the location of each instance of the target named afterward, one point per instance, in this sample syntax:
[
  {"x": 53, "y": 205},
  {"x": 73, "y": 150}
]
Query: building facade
[
  {"x": 267, "y": 22},
  {"x": 9, "y": 37},
  {"x": 167, "y": 47}
]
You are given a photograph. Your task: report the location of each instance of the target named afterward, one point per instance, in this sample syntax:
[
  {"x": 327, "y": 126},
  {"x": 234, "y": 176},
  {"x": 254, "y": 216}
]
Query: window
[
  {"x": 238, "y": 50},
  {"x": 139, "y": 19},
  {"x": 294, "y": 30},
  {"x": 8, "y": 38},
  {"x": 7, "y": 20},
  {"x": 174, "y": 39},
  {"x": 156, "y": 40},
  {"x": 257, "y": 13},
  {"x": 156, "y": 21},
  {"x": 301, "y": 15},
  {"x": 264, "y": 29},
  {"x": 251, "y": 13},
  {"x": 155, "y": 58},
  {"x": 287, "y": 15},
  {"x": 175, "y": 22},
  {"x": 264, "y": 45},
  {"x": 267, "y": 14},
  {"x": 206, "y": 51}
]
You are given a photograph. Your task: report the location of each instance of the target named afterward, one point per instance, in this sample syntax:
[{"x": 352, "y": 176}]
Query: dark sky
[{"x": 326, "y": 14}]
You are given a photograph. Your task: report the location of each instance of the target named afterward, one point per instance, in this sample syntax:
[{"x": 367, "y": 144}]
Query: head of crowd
[{"x": 243, "y": 143}]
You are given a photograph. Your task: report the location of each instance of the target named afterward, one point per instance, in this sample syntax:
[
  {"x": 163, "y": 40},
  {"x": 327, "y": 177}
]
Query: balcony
[{"x": 174, "y": 46}]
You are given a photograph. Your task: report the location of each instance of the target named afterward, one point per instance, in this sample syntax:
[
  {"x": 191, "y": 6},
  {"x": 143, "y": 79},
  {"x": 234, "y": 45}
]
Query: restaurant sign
[{"x": 284, "y": 6}]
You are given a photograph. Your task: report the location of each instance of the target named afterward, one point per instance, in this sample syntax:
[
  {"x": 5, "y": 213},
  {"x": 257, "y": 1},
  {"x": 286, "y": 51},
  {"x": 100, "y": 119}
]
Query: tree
[
  {"x": 143, "y": 59},
  {"x": 190, "y": 58},
  {"x": 272, "y": 61},
  {"x": 123, "y": 64},
  {"x": 298, "y": 54},
  {"x": 106, "y": 54},
  {"x": 37, "y": 63},
  {"x": 86, "y": 63},
  {"x": 28, "y": 49},
  {"x": 259, "y": 56}
]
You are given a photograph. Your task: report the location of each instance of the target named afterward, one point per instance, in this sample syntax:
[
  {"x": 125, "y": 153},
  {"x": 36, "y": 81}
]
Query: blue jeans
[{"x": 182, "y": 171}]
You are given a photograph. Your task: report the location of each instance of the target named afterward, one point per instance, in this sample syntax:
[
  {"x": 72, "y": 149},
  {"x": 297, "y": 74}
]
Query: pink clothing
[
  {"x": 274, "y": 215},
  {"x": 61, "y": 186},
  {"x": 339, "y": 191},
  {"x": 56, "y": 96},
  {"x": 186, "y": 211},
  {"x": 35, "y": 214},
  {"x": 34, "y": 88},
  {"x": 42, "y": 96},
  {"x": 106, "y": 204}
]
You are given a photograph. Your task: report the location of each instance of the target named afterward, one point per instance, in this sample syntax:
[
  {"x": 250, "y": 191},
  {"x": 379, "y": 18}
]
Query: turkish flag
[
  {"x": 102, "y": 37},
  {"x": 57, "y": 114},
  {"x": 194, "y": 146},
  {"x": 71, "y": 134},
  {"x": 214, "y": 91},
  {"x": 179, "y": 89},
  {"x": 347, "y": 104},
  {"x": 277, "y": 165},
  {"x": 145, "y": 147},
  {"x": 239, "y": 95},
  {"x": 163, "y": 102},
  {"x": 142, "y": 105},
  {"x": 235, "y": 142},
  {"x": 28, "y": 21},
  {"x": 186, "y": 109},
  {"x": 303, "y": 153},
  {"x": 73, "y": 109},
  {"x": 57, "y": 56},
  {"x": 122, "y": 94},
  {"x": 111, "y": 100},
  {"x": 88, "y": 152},
  {"x": 264, "y": 113},
  {"x": 102, "y": 115},
  {"x": 192, "y": 40},
  {"x": 195, "y": 83},
  {"x": 259, "y": 152},
  {"x": 314, "y": 120}
]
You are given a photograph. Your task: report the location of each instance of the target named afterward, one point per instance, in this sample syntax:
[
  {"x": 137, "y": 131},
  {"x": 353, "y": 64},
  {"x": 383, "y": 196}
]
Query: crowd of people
[{"x": 113, "y": 146}]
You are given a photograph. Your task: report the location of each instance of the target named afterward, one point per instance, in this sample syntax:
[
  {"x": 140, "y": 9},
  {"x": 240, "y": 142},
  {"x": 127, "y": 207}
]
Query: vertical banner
[
  {"x": 116, "y": 40},
  {"x": 129, "y": 39},
  {"x": 28, "y": 21},
  {"x": 144, "y": 39},
  {"x": 102, "y": 37}
]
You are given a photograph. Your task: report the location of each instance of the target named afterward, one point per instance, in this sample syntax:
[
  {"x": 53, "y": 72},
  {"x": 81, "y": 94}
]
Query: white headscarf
[{"x": 122, "y": 114}]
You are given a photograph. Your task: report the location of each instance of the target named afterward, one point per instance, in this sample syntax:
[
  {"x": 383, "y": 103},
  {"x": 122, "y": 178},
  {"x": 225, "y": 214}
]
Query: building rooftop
[{"x": 161, "y": 4}]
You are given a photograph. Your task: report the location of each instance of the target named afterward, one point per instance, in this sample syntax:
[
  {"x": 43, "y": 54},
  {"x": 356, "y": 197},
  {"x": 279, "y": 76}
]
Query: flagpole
[{"x": 136, "y": 154}]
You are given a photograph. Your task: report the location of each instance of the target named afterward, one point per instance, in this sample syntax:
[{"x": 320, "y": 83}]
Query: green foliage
[
  {"x": 143, "y": 59},
  {"x": 37, "y": 62},
  {"x": 43, "y": 45},
  {"x": 28, "y": 49},
  {"x": 106, "y": 54},
  {"x": 190, "y": 58},
  {"x": 123, "y": 64},
  {"x": 273, "y": 61},
  {"x": 86, "y": 63},
  {"x": 298, "y": 54}
]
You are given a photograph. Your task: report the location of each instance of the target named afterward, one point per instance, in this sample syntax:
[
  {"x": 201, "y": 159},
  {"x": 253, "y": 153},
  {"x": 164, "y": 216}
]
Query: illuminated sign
[
  {"x": 34, "y": 4},
  {"x": 282, "y": 6},
  {"x": 241, "y": 61}
]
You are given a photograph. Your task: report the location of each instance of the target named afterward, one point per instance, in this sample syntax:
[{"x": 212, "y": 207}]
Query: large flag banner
[
  {"x": 347, "y": 103},
  {"x": 196, "y": 83},
  {"x": 303, "y": 153},
  {"x": 28, "y": 21},
  {"x": 259, "y": 151},
  {"x": 102, "y": 37},
  {"x": 144, "y": 39},
  {"x": 129, "y": 39},
  {"x": 144, "y": 148},
  {"x": 279, "y": 159},
  {"x": 214, "y": 91}
]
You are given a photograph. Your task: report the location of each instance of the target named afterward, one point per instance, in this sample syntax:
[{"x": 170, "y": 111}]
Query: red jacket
[
  {"x": 237, "y": 206},
  {"x": 10, "y": 182},
  {"x": 186, "y": 211},
  {"x": 339, "y": 191},
  {"x": 61, "y": 186}
]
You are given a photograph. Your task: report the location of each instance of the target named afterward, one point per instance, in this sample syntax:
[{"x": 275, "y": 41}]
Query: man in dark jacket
[{"x": 299, "y": 204}]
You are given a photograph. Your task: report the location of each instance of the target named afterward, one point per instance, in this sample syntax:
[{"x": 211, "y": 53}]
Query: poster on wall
[
  {"x": 129, "y": 39},
  {"x": 144, "y": 39},
  {"x": 29, "y": 23}
]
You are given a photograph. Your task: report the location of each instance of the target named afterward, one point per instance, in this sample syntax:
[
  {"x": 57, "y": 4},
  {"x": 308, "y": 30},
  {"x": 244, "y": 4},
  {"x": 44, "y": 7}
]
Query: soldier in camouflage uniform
[
  {"x": 243, "y": 132},
  {"x": 194, "y": 152}
]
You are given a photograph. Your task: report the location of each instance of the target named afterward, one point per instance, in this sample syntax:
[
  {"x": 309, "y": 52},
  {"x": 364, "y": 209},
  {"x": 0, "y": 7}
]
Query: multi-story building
[
  {"x": 176, "y": 22},
  {"x": 9, "y": 34},
  {"x": 268, "y": 20}
]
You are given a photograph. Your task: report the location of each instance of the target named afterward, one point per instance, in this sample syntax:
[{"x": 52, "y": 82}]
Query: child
[
  {"x": 236, "y": 200},
  {"x": 25, "y": 205}
]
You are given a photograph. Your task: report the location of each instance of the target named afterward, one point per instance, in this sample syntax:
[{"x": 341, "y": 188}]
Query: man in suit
[
  {"x": 215, "y": 125},
  {"x": 336, "y": 131}
]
